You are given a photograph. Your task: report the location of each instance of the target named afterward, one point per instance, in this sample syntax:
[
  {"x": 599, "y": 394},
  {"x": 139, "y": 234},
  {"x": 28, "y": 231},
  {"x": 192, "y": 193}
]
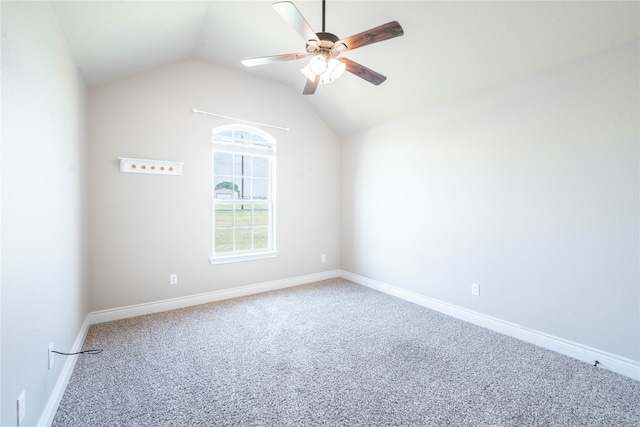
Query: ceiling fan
[{"x": 324, "y": 49}]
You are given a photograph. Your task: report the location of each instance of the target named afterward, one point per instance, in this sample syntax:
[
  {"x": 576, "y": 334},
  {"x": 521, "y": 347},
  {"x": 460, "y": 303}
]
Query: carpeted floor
[{"x": 331, "y": 353}]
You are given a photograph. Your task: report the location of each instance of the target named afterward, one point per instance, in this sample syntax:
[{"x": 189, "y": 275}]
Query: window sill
[{"x": 244, "y": 257}]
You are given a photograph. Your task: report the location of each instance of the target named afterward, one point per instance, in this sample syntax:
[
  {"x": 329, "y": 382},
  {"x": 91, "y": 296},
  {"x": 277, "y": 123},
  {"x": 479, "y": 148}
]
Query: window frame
[{"x": 264, "y": 147}]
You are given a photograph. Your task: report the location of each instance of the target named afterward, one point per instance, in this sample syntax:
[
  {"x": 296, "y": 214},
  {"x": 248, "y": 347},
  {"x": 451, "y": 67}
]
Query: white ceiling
[{"x": 449, "y": 48}]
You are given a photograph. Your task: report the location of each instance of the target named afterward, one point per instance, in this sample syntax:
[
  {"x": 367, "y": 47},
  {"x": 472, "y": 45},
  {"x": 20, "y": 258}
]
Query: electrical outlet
[
  {"x": 323, "y": 258},
  {"x": 21, "y": 407},
  {"x": 173, "y": 279},
  {"x": 50, "y": 355},
  {"x": 475, "y": 289}
]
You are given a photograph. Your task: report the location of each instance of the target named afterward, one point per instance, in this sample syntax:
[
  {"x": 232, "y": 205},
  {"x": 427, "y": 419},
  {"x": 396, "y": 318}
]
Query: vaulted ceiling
[{"x": 449, "y": 49}]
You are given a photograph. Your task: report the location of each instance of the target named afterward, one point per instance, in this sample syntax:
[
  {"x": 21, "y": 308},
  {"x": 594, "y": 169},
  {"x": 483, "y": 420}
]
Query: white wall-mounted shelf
[{"x": 158, "y": 167}]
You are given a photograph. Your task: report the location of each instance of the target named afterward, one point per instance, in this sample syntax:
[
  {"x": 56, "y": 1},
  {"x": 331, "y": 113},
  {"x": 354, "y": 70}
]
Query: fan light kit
[
  {"x": 328, "y": 71},
  {"x": 323, "y": 49}
]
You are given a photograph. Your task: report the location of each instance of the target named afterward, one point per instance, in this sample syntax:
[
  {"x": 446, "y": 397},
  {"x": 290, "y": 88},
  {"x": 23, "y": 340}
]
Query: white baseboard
[
  {"x": 50, "y": 409},
  {"x": 621, "y": 365},
  {"x": 609, "y": 361},
  {"x": 48, "y": 414},
  {"x": 181, "y": 302}
]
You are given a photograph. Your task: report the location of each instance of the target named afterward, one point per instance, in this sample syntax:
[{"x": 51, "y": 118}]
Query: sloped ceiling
[{"x": 450, "y": 48}]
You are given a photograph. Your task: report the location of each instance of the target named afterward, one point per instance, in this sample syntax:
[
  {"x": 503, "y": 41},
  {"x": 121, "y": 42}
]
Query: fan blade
[
  {"x": 363, "y": 72},
  {"x": 310, "y": 86},
  {"x": 275, "y": 58},
  {"x": 290, "y": 13},
  {"x": 374, "y": 35}
]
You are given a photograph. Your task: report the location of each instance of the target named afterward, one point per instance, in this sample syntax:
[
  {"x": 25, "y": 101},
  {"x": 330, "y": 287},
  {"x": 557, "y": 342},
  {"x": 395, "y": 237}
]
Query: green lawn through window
[{"x": 241, "y": 227}]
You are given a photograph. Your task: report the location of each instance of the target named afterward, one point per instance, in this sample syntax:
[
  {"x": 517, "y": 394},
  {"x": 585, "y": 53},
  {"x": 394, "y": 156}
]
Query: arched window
[{"x": 244, "y": 164}]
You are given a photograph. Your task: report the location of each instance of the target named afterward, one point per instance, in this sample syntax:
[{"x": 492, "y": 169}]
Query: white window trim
[
  {"x": 261, "y": 253},
  {"x": 243, "y": 257}
]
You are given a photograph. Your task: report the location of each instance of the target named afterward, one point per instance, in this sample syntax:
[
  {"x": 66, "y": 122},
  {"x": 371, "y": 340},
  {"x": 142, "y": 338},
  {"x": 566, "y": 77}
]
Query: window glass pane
[
  {"x": 246, "y": 188},
  {"x": 237, "y": 182},
  {"x": 260, "y": 189},
  {"x": 226, "y": 134},
  {"x": 223, "y": 163},
  {"x": 224, "y": 240},
  {"x": 242, "y": 136},
  {"x": 243, "y": 239},
  {"x": 244, "y": 215},
  {"x": 224, "y": 215},
  {"x": 261, "y": 238},
  {"x": 261, "y": 215},
  {"x": 224, "y": 188},
  {"x": 260, "y": 167},
  {"x": 258, "y": 139},
  {"x": 238, "y": 164},
  {"x": 247, "y": 160}
]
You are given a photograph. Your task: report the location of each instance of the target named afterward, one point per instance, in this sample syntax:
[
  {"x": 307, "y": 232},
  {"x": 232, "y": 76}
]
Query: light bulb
[{"x": 318, "y": 64}]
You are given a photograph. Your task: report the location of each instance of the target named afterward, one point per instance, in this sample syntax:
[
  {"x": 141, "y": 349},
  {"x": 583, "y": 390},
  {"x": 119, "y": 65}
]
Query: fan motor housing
[
  {"x": 326, "y": 45},
  {"x": 327, "y": 36}
]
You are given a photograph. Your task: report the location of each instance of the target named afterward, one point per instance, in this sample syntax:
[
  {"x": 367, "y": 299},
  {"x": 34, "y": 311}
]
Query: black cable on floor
[{"x": 95, "y": 351}]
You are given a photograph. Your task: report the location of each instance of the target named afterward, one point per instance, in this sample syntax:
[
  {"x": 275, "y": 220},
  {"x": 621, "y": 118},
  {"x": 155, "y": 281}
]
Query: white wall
[
  {"x": 44, "y": 239},
  {"x": 530, "y": 189},
  {"x": 145, "y": 227}
]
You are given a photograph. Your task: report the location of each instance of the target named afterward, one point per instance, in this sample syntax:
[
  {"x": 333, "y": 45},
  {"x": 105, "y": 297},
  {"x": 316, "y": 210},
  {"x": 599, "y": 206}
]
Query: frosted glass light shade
[
  {"x": 318, "y": 64},
  {"x": 334, "y": 70},
  {"x": 307, "y": 73}
]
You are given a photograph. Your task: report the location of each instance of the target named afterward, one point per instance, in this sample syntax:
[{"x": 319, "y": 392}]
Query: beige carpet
[{"x": 331, "y": 353}]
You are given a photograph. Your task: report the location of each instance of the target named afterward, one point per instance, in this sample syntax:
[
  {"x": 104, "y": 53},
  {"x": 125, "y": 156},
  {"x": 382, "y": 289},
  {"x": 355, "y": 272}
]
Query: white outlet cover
[{"x": 475, "y": 289}]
